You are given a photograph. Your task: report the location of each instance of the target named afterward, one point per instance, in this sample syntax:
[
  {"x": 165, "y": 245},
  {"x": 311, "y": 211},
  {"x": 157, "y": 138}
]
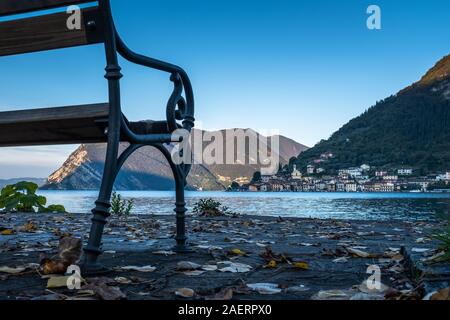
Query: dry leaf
[
  {"x": 187, "y": 265},
  {"x": 11, "y": 270},
  {"x": 272, "y": 264},
  {"x": 49, "y": 266},
  {"x": 7, "y": 232},
  {"x": 103, "y": 291},
  {"x": 185, "y": 293},
  {"x": 165, "y": 253},
  {"x": 69, "y": 250},
  {"x": 265, "y": 288},
  {"x": 59, "y": 282},
  {"x": 443, "y": 294},
  {"x": 69, "y": 253},
  {"x": 209, "y": 267},
  {"x": 238, "y": 252},
  {"x": 28, "y": 227},
  {"x": 193, "y": 273},
  {"x": 331, "y": 295},
  {"x": 341, "y": 260},
  {"x": 234, "y": 267},
  {"x": 301, "y": 265},
  {"x": 122, "y": 280},
  {"x": 139, "y": 269},
  {"x": 359, "y": 253}
]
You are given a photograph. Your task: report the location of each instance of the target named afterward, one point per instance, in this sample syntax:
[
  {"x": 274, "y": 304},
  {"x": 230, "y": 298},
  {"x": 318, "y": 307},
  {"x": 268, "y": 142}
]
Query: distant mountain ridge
[
  {"x": 38, "y": 181},
  {"x": 411, "y": 128},
  {"x": 148, "y": 170}
]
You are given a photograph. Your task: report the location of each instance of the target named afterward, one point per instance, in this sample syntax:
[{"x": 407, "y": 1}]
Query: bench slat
[
  {"x": 54, "y": 114},
  {"x": 10, "y": 7},
  {"x": 48, "y": 32},
  {"x": 63, "y": 125}
]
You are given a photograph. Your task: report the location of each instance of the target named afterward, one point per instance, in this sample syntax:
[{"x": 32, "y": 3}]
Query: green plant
[
  {"x": 22, "y": 197},
  {"x": 443, "y": 236},
  {"x": 212, "y": 208},
  {"x": 121, "y": 207}
]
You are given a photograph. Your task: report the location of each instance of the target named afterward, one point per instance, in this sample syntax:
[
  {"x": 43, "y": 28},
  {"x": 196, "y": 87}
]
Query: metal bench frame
[{"x": 179, "y": 112}]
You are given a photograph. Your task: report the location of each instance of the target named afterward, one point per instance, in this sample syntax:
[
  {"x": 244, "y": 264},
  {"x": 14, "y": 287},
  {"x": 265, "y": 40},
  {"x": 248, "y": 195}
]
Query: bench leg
[
  {"x": 180, "y": 212},
  {"x": 179, "y": 175},
  {"x": 101, "y": 213}
]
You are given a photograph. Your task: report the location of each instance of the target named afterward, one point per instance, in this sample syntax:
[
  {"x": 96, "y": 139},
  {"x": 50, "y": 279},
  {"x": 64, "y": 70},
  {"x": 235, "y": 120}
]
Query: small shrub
[
  {"x": 121, "y": 207},
  {"x": 443, "y": 236},
  {"x": 22, "y": 197},
  {"x": 212, "y": 208}
]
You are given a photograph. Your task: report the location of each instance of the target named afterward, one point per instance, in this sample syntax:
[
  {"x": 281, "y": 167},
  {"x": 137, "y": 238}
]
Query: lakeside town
[{"x": 364, "y": 178}]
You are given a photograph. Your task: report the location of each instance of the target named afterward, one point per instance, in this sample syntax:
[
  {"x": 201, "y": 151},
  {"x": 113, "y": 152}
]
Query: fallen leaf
[
  {"x": 49, "y": 266},
  {"x": 109, "y": 293},
  {"x": 272, "y": 264},
  {"x": 443, "y": 294},
  {"x": 69, "y": 253},
  {"x": 435, "y": 258},
  {"x": 12, "y": 270},
  {"x": 165, "y": 253},
  {"x": 359, "y": 253},
  {"x": 301, "y": 265},
  {"x": 69, "y": 249},
  {"x": 238, "y": 252},
  {"x": 193, "y": 273},
  {"x": 265, "y": 288},
  {"x": 122, "y": 280},
  {"x": 7, "y": 232},
  {"x": 209, "y": 267},
  {"x": 58, "y": 282},
  {"x": 138, "y": 269},
  {"x": 234, "y": 267},
  {"x": 295, "y": 289},
  {"x": 341, "y": 260},
  {"x": 331, "y": 295},
  {"x": 185, "y": 293},
  {"x": 187, "y": 265},
  {"x": 28, "y": 227},
  {"x": 305, "y": 244}
]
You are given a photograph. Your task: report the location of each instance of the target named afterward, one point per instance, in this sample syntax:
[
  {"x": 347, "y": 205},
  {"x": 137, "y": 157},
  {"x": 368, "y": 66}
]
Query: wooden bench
[{"x": 94, "y": 123}]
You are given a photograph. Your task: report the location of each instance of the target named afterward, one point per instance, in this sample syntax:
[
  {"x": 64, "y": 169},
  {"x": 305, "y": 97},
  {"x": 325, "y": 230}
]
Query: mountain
[
  {"x": 148, "y": 170},
  {"x": 38, "y": 181},
  {"x": 410, "y": 128}
]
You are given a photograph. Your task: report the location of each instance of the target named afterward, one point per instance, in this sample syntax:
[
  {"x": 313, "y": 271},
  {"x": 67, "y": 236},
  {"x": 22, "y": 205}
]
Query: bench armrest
[{"x": 178, "y": 107}]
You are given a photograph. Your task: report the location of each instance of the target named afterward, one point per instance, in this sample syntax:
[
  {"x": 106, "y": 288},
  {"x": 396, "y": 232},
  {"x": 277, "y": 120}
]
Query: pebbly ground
[{"x": 313, "y": 259}]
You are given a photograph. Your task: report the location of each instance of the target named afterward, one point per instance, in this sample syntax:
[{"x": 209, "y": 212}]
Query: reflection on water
[{"x": 318, "y": 205}]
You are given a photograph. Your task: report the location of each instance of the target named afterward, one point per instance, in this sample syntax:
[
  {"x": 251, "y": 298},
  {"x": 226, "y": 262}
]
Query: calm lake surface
[{"x": 365, "y": 206}]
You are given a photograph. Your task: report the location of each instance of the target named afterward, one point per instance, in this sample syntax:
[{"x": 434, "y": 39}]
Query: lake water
[{"x": 364, "y": 206}]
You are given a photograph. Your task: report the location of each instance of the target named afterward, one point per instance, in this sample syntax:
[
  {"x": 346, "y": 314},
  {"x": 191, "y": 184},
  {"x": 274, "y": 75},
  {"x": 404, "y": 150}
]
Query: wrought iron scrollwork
[{"x": 176, "y": 106}]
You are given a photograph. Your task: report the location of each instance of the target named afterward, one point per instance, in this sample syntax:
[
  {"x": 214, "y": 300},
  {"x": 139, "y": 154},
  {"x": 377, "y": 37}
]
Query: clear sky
[{"x": 302, "y": 67}]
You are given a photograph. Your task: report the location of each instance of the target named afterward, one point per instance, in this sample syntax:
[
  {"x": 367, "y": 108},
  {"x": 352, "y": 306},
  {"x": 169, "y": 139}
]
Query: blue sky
[{"x": 302, "y": 67}]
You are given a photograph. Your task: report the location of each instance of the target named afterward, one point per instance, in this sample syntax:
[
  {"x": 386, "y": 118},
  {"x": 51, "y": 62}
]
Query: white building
[
  {"x": 351, "y": 187},
  {"x": 380, "y": 173},
  {"x": 296, "y": 174},
  {"x": 355, "y": 172},
  {"x": 320, "y": 170},
  {"x": 310, "y": 169},
  {"x": 405, "y": 171},
  {"x": 365, "y": 167}
]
